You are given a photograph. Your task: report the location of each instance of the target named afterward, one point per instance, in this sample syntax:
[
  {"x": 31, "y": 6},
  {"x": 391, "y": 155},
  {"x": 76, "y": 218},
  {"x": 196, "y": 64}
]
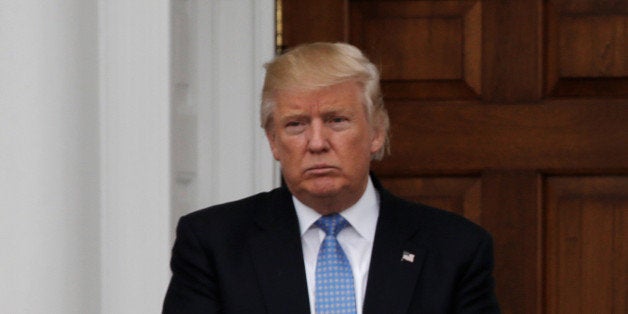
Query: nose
[{"x": 318, "y": 141}]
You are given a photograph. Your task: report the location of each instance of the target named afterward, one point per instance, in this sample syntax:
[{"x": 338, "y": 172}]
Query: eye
[
  {"x": 338, "y": 122},
  {"x": 337, "y": 119},
  {"x": 294, "y": 127}
]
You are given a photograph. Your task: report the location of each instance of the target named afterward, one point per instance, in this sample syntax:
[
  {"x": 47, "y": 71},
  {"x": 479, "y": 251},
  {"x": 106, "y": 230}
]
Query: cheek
[
  {"x": 354, "y": 149},
  {"x": 364, "y": 141},
  {"x": 285, "y": 150}
]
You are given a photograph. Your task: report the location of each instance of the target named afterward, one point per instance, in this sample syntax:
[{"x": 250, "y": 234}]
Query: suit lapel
[
  {"x": 392, "y": 278},
  {"x": 277, "y": 255}
]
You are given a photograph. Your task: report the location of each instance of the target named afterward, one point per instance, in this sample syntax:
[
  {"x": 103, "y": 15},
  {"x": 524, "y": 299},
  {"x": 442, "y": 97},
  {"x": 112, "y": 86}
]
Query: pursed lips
[{"x": 320, "y": 169}]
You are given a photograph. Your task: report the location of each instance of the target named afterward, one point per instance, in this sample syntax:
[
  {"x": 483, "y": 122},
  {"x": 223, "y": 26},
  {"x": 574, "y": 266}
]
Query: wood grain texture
[
  {"x": 457, "y": 194},
  {"x": 511, "y": 211},
  {"x": 312, "y": 21},
  {"x": 425, "y": 49},
  {"x": 512, "y": 63},
  {"x": 587, "y": 49},
  {"x": 587, "y": 260},
  {"x": 553, "y": 137}
]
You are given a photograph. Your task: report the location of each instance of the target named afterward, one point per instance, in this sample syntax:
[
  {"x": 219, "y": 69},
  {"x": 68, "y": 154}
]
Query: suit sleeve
[
  {"x": 193, "y": 287},
  {"x": 476, "y": 291}
]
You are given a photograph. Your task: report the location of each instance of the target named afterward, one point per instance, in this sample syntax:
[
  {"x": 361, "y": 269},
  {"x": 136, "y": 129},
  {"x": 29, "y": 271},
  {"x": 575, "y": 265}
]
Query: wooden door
[{"x": 514, "y": 114}]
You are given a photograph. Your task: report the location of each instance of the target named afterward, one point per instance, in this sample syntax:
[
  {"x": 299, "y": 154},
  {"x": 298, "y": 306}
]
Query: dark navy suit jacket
[{"x": 246, "y": 257}]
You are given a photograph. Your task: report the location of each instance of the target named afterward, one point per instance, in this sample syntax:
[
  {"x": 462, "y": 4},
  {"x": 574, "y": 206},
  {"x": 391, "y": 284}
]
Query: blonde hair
[{"x": 318, "y": 65}]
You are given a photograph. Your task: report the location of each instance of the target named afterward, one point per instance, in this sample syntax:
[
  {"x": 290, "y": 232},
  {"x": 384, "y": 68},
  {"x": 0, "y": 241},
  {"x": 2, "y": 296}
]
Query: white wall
[
  {"x": 49, "y": 157},
  {"x": 100, "y": 139}
]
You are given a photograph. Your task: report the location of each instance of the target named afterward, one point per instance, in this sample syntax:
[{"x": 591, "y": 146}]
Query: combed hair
[{"x": 318, "y": 65}]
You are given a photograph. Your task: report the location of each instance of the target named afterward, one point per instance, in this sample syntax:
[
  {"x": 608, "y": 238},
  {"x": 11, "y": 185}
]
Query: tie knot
[{"x": 331, "y": 224}]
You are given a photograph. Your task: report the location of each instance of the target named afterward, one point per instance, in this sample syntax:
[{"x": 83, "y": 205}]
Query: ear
[
  {"x": 378, "y": 139},
  {"x": 270, "y": 136}
]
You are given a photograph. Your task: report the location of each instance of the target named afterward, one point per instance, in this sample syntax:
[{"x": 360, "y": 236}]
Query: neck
[{"x": 329, "y": 206}]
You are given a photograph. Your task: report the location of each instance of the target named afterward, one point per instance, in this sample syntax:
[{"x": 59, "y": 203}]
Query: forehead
[{"x": 339, "y": 97}]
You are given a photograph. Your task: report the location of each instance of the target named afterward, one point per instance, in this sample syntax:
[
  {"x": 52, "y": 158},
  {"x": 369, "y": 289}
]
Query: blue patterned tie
[{"x": 334, "y": 280}]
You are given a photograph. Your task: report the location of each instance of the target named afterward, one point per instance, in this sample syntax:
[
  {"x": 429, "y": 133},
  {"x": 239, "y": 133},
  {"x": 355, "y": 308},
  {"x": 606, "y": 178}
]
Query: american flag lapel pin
[{"x": 407, "y": 257}]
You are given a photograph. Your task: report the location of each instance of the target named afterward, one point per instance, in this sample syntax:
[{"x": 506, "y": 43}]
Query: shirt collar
[{"x": 362, "y": 215}]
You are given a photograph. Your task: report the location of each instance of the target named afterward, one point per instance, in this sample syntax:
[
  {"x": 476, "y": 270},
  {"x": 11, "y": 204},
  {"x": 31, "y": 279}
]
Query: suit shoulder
[{"x": 226, "y": 214}]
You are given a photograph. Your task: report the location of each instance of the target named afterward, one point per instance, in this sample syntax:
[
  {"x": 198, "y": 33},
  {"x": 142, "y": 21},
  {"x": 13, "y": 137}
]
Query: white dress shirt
[{"x": 356, "y": 241}]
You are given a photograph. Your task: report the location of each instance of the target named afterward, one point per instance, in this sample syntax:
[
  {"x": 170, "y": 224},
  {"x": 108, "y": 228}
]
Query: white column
[
  {"x": 236, "y": 73},
  {"x": 85, "y": 143},
  {"x": 49, "y": 168},
  {"x": 220, "y": 152},
  {"x": 135, "y": 150}
]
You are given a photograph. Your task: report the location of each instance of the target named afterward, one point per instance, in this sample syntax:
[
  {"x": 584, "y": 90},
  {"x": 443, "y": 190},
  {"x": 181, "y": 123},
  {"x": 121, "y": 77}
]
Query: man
[{"x": 332, "y": 240}]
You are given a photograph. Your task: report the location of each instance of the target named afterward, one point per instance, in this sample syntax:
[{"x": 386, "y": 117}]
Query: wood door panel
[
  {"x": 311, "y": 21},
  {"x": 588, "y": 6},
  {"x": 463, "y": 138},
  {"x": 488, "y": 97},
  {"x": 399, "y": 62},
  {"x": 512, "y": 46},
  {"x": 457, "y": 194},
  {"x": 443, "y": 60},
  {"x": 511, "y": 211},
  {"x": 600, "y": 48},
  {"x": 587, "y": 257},
  {"x": 587, "y": 49}
]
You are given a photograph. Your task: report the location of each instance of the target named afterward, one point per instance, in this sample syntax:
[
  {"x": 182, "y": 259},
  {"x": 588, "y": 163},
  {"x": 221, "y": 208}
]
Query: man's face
[{"x": 324, "y": 143}]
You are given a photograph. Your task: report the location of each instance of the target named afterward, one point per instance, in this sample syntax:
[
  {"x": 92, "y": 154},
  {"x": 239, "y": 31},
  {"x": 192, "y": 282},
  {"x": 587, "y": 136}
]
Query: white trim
[{"x": 266, "y": 169}]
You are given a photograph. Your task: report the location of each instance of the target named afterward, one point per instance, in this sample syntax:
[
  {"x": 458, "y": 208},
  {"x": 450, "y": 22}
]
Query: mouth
[{"x": 320, "y": 170}]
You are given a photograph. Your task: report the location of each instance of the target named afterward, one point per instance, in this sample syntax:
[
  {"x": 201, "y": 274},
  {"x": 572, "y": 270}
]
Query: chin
[{"x": 323, "y": 187}]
